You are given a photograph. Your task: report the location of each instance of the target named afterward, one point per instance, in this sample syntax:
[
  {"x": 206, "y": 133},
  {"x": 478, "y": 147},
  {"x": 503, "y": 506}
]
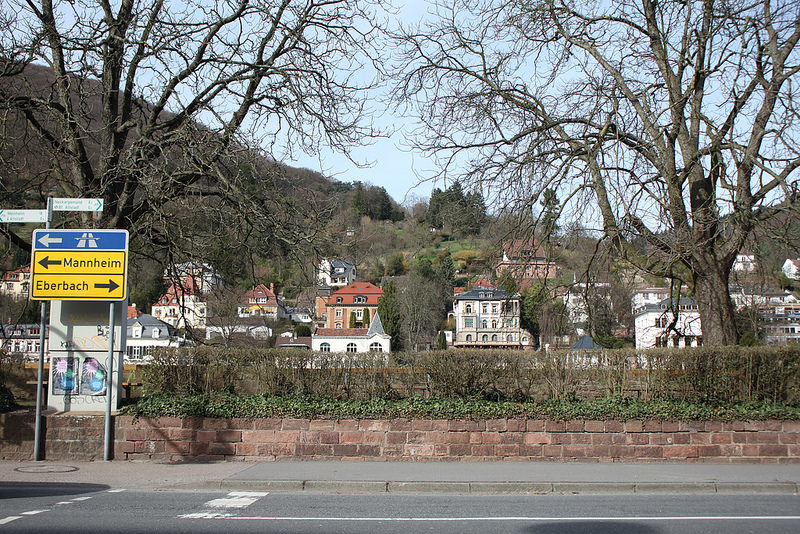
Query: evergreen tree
[
  {"x": 441, "y": 341},
  {"x": 397, "y": 265},
  {"x": 388, "y": 309},
  {"x": 359, "y": 202},
  {"x": 366, "y": 318},
  {"x": 352, "y": 319},
  {"x": 445, "y": 269}
]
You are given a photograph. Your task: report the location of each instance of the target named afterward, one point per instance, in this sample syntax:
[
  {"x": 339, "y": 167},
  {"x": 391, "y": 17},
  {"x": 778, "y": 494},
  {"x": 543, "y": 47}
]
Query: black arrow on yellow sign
[
  {"x": 111, "y": 285},
  {"x": 46, "y": 262}
]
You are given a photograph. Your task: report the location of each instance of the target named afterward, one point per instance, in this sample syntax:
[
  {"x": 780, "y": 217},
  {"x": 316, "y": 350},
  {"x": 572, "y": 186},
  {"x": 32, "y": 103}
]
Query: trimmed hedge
[
  {"x": 716, "y": 375},
  {"x": 226, "y": 405}
]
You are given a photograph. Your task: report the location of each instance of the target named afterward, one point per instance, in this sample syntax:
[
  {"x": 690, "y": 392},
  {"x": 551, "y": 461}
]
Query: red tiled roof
[
  {"x": 341, "y": 332},
  {"x": 176, "y": 291},
  {"x": 357, "y": 289},
  {"x": 133, "y": 312},
  {"x": 514, "y": 247},
  {"x": 260, "y": 291}
]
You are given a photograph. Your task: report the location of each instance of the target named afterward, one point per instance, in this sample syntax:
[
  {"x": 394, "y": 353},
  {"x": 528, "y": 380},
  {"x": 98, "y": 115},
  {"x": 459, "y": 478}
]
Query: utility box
[{"x": 79, "y": 366}]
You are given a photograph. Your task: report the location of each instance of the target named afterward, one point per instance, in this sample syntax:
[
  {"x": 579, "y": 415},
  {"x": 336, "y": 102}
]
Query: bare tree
[
  {"x": 158, "y": 107},
  {"x": 675, "y": 122}
]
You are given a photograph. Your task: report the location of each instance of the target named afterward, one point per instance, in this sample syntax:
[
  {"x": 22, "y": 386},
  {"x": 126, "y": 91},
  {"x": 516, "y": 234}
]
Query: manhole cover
[{"x": 46, "y": 469}]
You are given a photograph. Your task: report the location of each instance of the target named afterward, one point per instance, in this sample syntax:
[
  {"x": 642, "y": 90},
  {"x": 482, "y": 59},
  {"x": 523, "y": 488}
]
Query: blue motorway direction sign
[{"x": 96, "y": 240}]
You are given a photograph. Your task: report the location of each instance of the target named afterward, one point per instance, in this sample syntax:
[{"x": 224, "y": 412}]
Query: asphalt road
[{"x": 85, "y": 508}]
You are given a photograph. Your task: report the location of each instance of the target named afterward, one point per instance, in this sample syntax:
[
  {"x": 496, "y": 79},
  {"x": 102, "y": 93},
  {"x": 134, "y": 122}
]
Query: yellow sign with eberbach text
[{"x": 78, "y": 275}]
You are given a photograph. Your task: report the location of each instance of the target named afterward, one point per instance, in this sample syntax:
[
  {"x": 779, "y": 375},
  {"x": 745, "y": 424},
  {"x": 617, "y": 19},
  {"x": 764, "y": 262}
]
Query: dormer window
[
  {"x": 136, "y": 330},
  {"x": 338, "y": 300}
]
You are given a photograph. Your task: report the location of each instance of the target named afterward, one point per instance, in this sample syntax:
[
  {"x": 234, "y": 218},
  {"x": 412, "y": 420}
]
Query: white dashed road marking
[
  {"x": 78, "y": 499},
  {"x": 116, "y": 491},
  {"x": 34, "y": 512},
  {"x": 235, "y": 500},
  {"x": 9, "y": 519}
]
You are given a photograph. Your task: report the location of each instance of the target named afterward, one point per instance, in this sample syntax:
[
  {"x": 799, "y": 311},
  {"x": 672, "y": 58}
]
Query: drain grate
[{"x": 46, "y": 469}]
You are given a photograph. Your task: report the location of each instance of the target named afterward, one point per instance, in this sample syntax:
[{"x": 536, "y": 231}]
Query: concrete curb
[{"x": 495, "y": 488}]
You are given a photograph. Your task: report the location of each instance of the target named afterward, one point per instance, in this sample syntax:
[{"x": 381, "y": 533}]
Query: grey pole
[
  {"x": 37, "y": 433},
  {"x": 109, "y": 381}
]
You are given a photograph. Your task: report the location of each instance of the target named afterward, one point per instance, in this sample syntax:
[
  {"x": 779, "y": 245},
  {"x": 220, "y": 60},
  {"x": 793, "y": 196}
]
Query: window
[
  {"x": 509, "y": 338},
  {"x": 485, "y": 308},
  {"x": 136, "y": 331},
  {"x": 375, "y": 347},
  {"x": 483, "y": 323},
  {"x": 494, "y": 323},
  {"x": 494, "y": 337},
  {"x": 338, "y": 312},
  {"x": 351, "y": 347},
  {"x": 359, "y": 314},
  {"x": 494, "y": 308},
  {"x": 468, "y": 322},
  {"x": 338, "y": 326},
  {"x": 469, "y": 337},
  {"x": 156, "y": 333},
  {"x": 485, "y": 337},
  {"x": 338, "y": 300},
  {"x": 360, "y": 299},
  {"x": 468, "y": 308},
  {"x": 325, "y": 347}
]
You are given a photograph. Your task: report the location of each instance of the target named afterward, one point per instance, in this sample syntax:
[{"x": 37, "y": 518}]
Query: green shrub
[
  {"x": 7, "y": 402},
  {"x": 705, "y": 374},
  {"x": 225, "y": 405}
]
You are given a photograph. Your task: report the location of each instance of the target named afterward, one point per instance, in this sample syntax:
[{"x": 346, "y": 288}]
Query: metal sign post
[
  {"x": 108, "y": 446},
  {"x": 13, "y": 216},
  {"x": 37, "y": 433}
]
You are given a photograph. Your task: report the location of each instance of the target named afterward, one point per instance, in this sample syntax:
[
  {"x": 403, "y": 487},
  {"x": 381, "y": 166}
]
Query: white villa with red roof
[
  {"x": 353, "y": 340},
  {"x": 182, "y": 306},
  {"x": 262, "y": 302}
]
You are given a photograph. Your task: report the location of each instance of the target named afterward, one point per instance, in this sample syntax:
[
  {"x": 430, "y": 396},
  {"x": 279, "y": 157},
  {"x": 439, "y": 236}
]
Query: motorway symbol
[{"x": 80, "y": 239}]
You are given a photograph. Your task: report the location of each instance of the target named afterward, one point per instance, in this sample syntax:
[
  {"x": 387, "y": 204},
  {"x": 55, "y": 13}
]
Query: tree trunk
[{"x": 717, "y": 316}]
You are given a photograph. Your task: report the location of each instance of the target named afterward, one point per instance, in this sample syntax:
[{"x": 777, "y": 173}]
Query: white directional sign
[
  {"x": 77, "y": 204},
  {"x": 23, "y": 216}
]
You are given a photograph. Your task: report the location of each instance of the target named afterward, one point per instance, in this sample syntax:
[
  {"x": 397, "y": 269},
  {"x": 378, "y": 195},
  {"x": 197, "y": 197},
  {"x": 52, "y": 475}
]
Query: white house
[
  {"x": 16, "y": 283},
  {"x": 335, "y": 273},
  {"x": 23, "y": 340},
  {"x": 242, "y": 327},
  {"x": 372, "y": 339},
  {"x": 262, "y": 302},
  {"x": 488, "y": 317},
  {"x": 576, "y": 305},
  {"x": 652, "y": 320},
  {"x": 745, "y": 263},
  {"x": 182, "y": 306},
  {"x": 144, "y": 332},
  {"x": 203, "y": 275},
  {"x": 791, "y": 268}
]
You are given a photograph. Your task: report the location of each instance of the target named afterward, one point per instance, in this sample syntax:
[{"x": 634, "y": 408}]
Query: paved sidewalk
[{"x": 417, "y": 477}]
